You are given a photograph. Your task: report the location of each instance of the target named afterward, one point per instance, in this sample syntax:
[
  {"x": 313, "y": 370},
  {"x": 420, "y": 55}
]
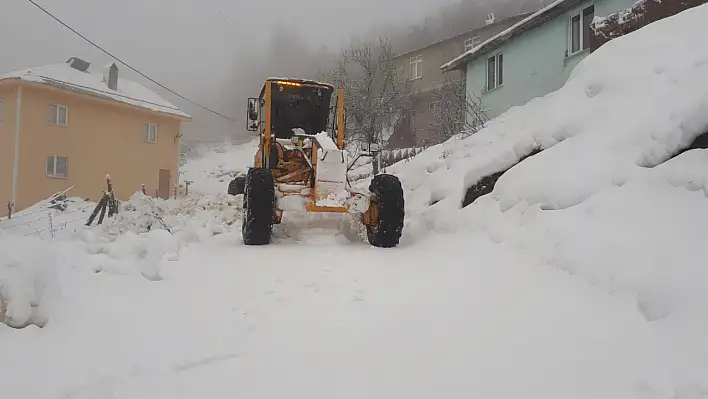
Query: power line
[{"x": 127, "y": 65}]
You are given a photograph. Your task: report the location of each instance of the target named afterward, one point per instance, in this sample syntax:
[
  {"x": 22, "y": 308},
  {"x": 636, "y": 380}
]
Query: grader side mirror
[{"x": 252, "y": 114}]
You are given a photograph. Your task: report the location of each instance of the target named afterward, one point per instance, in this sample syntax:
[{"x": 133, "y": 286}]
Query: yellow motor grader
[{"x": 301, "y": 164}]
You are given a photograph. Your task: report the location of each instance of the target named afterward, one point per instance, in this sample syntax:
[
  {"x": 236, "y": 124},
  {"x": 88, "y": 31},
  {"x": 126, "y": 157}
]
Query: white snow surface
[
  {"x": 48, "y": 219},
  {"x": 582, "y": 275},
  {"x": 92, "y": 83}
]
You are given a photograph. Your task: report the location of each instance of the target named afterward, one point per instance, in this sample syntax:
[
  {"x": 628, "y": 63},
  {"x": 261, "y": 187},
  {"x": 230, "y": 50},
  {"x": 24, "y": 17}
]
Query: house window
[
  {"x": 495, "y": 71},
  {"x": 58, "y": 114},
  {"x": 433, "y": 105},
  {"x": 580, "y": 30},
  {"x": 150, "y": 133},
  {"x": 57, "y": 166},
  {"x": 416, "y": 67},
  {"x": 471, "y": 43}
]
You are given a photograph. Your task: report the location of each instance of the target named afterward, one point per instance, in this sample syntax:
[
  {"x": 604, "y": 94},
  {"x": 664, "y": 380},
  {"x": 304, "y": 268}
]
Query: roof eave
[
  {"x": 533, "y": 21},
  {"x": 451, "y": 38},
  {"x": 29, "y": 83}
]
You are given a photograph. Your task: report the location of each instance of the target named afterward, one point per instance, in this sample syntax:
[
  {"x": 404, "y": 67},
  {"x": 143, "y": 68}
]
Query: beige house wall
[
  {"x": 101, "y": 137},
  {"x": 8, "y": 96}
]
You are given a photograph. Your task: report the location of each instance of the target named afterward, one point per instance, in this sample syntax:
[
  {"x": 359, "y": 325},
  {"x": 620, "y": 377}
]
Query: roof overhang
[
  {"x": 536, "y": 19},
  {"x": 474, "y": 31},
  {"x": 15, "y": 81}
]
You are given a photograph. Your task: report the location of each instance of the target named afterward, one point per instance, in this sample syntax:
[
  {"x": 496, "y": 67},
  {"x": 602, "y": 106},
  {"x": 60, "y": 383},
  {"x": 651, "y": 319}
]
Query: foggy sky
[{"x": 191, "y": 46}]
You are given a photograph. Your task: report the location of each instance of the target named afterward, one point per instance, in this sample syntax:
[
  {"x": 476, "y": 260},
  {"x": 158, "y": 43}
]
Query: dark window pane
[
  {"x": 500, "y": 70},
  {"x": 50, "y": 165},
  {"x": 575, "y": 34},
  {"x": 491, "y": 67},
  {"x": 61, "y": 166}
]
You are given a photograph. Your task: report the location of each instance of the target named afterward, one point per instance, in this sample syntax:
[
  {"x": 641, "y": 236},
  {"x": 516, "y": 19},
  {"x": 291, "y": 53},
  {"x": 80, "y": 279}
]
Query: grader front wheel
[
  {"x": 258, "y": 207},
  {"x": 384, "y": 218}
]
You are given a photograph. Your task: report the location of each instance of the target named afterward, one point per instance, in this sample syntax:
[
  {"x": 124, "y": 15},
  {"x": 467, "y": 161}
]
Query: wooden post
[
  {"x": 101, "y": 206},
  {"x": 112, "y": 206}
]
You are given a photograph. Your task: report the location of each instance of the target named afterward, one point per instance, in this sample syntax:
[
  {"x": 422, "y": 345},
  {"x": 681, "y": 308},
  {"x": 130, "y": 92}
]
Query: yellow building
[{"x": 62, "y": 126}]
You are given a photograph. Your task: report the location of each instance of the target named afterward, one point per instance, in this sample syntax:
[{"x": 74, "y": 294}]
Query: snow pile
[
  {"x": 27, "y": 277},
  {"x": 607, "y": 200},
  {"x": 141, "y": 240},
  {"x": 623, "y": 118},
  {"x": 212, "y": 172},
  {"x": 213, "y": 213}
]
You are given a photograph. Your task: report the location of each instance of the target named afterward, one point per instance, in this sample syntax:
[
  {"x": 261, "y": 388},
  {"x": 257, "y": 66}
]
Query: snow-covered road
[
  {"x": 581, "y": 275},
  {"x": 444, "y": 317}
]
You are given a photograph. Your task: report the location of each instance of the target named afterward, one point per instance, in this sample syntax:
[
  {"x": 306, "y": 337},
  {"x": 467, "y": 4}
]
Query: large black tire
[
  {"x": 389, "y": 194},
  {"x": 258, "y": 207},
  {"x": 237, "y": 185}
]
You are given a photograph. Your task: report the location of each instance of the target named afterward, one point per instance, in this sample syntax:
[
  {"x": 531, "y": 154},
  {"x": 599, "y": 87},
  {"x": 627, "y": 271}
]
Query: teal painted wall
[{"x": 535, "y": 63}]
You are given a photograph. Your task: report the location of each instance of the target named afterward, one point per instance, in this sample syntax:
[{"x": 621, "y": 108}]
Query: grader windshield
[{"x": 297, "y": 104}]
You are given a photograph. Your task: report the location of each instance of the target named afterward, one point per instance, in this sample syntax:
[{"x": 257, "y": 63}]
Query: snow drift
[
  {"x": 610, "y": 198},
  {"x": 628, "y": 107}
]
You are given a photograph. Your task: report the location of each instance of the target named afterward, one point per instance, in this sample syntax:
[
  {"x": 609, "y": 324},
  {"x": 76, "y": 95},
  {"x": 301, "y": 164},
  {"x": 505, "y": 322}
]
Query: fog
[{"x": 214, "y": 52}]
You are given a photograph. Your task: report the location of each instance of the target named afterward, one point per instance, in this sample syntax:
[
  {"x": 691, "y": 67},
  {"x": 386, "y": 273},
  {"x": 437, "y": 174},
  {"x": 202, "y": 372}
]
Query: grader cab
[{"x": 301, "y": 165}]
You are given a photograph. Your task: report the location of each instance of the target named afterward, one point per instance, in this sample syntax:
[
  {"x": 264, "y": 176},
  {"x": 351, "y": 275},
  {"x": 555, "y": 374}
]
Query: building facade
[
  {"x": 63, "y": 126},
  {"x": 422, "y": 69},
  {"x": 534, "y": 57}
]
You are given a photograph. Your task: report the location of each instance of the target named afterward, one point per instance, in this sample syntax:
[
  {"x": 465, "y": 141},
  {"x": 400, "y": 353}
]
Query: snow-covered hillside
[{"x": 580, "y": 276}]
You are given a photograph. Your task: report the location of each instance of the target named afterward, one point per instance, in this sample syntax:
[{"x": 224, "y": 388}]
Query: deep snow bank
[
  {"x": 601, "y": 202},
  {"x": 627, "y": 107},
  {"x": 139, "y": 241}
]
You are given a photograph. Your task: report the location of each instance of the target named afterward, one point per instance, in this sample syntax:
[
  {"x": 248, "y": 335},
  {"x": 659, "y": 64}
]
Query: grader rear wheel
[{"x": 385, "y": 216}]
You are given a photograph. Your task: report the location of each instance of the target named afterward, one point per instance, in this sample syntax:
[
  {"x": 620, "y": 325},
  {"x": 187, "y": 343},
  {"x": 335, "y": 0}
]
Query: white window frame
[
  {"x": 471, "y": 43},
  {"x": 581, "y": 20},
  {"x": 55, "y": 120},
  {"x": 433, "y": 105},
  {"x": 416, "y": 65},
  {"x": 54, "y": 173},
  {"x": 150, "y": 135},
  {"x": 497, "y": 83}
]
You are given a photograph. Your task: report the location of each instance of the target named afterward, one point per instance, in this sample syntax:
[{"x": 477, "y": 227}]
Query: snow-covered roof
[
  {"x": 466, "y": 33},
  {"x": 66, "y": 77},
  {"x": 536, "y": 19}
]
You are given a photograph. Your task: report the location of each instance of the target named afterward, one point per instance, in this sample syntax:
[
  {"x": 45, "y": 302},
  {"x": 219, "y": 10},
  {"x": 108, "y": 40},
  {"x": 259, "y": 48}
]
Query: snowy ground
[
  {"x": 582, "y": 275},
  {"x": 212, "y": 172},
  {"x": 338, "y": 320}
]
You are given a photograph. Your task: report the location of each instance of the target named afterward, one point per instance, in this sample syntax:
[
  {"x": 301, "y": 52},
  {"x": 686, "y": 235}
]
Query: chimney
[
  {"x": 490, "y": 18},
  {"x": 110, "y": 76},
  {"x": 78, "y": 64}
]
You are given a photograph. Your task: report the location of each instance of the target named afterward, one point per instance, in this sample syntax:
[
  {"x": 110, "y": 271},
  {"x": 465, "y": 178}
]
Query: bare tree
[
  {"x": 376, "y": 92},
  {"x": 457, "y": 111}
]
